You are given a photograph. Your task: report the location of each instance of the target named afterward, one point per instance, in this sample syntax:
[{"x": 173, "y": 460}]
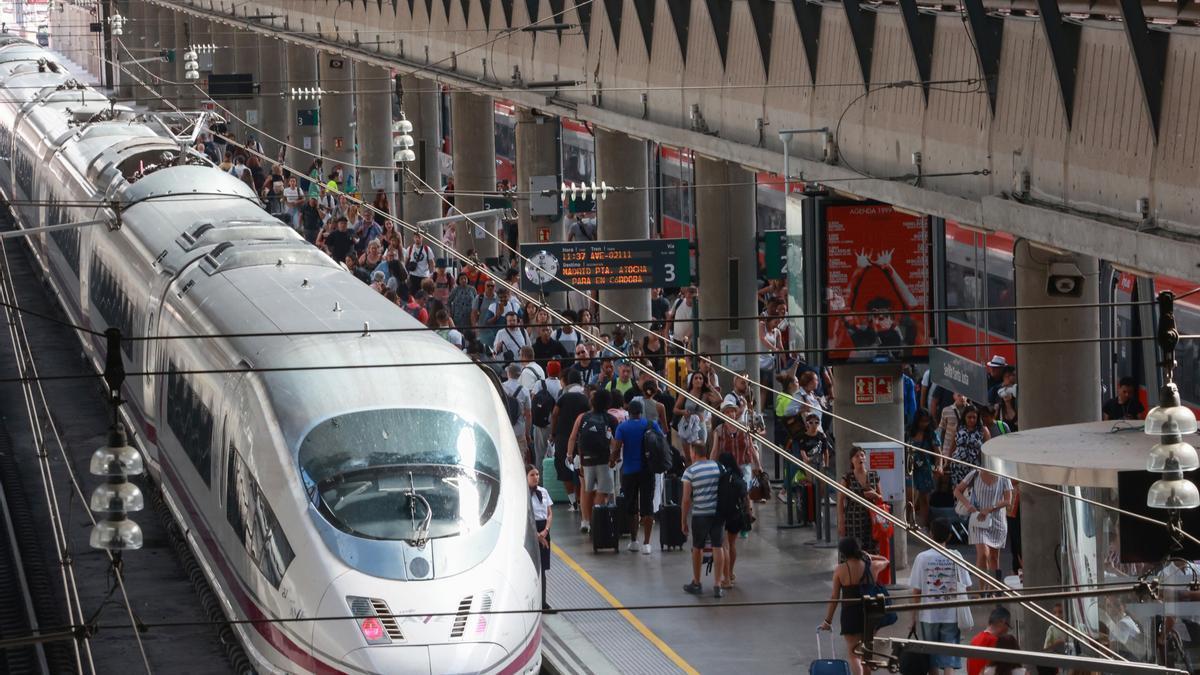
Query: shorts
[
  {"x": 563, "y": 471},
  {"x": 710, "y": 527},
  {"x": 598, "y": 478},
  {"x": 947, "y": 633},
  {"x": 638, "y": 491}
]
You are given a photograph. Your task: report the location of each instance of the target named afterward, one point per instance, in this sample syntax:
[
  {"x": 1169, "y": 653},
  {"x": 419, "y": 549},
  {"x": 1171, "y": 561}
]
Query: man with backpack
[
  {"x": 516, "y": 400},
  {"x": 637, "y": 477},
  {"x": 701, "y": 482},
  {"x": 572, "y": 402},
  {"x": 591, "y": 439}
]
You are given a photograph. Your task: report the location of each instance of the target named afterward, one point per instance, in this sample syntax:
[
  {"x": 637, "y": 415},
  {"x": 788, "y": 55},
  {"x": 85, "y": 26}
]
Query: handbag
[
  {"x": 966, "y": 621},
  {"x": 913, "y": 663},
  {"x": 969, "y": 495},
  {"x": 869, "y": 586}
]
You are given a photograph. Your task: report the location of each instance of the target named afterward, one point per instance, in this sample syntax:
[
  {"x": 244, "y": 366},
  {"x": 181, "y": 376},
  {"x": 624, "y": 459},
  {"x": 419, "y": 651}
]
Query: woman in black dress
[
  {"x": 856, "y": 568},
  {"x": 854, "y": 520}
]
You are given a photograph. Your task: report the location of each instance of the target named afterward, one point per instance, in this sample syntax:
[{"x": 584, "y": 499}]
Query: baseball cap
[
  {"x": 553, "y": 369},
  {"x": 634, "y": 407}
]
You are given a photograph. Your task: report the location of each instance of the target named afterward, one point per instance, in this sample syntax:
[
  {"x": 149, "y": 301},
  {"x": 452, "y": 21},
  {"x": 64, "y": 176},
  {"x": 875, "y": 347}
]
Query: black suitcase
[
  {"x": 670, "y": 528},
  {"x": 606, "y": 527},
  {"x": 672, "y": 490}
]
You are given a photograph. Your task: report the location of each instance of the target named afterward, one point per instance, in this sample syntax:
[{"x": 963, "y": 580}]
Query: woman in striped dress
[{"x": 990, "y": 496}]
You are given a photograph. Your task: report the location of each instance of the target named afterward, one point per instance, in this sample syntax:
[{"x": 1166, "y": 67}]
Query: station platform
[{"x": 694, "y": 635}]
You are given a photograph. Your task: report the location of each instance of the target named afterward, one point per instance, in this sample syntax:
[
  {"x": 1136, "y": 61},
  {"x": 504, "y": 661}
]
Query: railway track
[{"x": 67, "y": 582}]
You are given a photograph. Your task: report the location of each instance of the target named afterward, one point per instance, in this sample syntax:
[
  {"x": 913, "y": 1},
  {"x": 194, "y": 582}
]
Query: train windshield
[{"x": 408, "y": 475}]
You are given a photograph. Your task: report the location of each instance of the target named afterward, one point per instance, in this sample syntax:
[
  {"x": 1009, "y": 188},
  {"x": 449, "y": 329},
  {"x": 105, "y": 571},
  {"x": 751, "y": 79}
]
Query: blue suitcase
[{"x": 830, "y": 666}]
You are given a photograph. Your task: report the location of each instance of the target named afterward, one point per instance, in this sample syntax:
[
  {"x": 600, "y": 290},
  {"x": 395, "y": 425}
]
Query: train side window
[
  {"x": 191, "y": 422},
  {"x": 234, "y": 505},
  {"x": 254, "y": 520},
  {"x": 110, "y": 301}
]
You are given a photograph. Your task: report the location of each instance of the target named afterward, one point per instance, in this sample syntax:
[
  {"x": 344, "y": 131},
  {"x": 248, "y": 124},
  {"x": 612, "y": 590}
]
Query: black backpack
[
  {"x": 655, "y": 452},
  {"x": 513, "y": 406},
  {"x": 594, "y": 438},
  {"x": 729, "y": 501},
  {"x": 543, "y": 406}
]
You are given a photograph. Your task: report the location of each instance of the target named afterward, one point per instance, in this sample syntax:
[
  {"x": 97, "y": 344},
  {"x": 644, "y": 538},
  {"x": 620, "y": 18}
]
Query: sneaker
[
  {"x": 634, "y": 546},
  {"x": 744, "y": 534},
  {"x": 585, "y": 528},
  {"x": 572, "y": 507},
  {"x": 693, "y": 588},
  {"x": 646, "y": 549},
  {"x": 718, "y": 592}
]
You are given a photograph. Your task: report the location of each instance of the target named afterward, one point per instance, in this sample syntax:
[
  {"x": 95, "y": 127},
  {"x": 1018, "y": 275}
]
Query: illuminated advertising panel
[{"x": 876, "y": 282}]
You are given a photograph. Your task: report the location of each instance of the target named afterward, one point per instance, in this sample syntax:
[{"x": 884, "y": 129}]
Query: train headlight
[{"x": 372, "y": 630}]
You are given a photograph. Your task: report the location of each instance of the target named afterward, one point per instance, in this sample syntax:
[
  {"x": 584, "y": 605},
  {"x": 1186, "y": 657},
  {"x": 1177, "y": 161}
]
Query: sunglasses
[{"x": 812, "y": 421}]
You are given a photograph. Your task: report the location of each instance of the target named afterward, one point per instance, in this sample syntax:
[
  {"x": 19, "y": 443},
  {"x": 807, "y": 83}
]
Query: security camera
[{"x": 1064, "y": 280}]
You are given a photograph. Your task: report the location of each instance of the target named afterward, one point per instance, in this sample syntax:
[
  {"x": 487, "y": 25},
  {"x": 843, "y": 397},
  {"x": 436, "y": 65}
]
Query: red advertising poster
[{"x": 876, "y": 282}]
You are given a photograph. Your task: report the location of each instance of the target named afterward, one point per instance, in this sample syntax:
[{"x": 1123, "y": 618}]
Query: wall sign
[
  {"x": 873, "y": 389},
  {"x": 631, "y": 263},
  {"x": 958, "y": 374}
]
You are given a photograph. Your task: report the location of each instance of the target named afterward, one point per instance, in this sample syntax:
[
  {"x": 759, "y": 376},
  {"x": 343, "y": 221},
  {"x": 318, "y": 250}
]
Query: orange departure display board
[{"x": 589, "y": 265}]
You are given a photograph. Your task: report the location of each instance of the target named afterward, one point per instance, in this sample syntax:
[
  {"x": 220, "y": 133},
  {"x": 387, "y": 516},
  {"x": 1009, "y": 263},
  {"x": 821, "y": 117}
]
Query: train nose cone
[{"x": 398, "y": 659}]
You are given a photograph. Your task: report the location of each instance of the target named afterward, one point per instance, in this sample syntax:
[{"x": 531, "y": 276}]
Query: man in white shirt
[
  {"x": 292, "y": 199},
  {"x": 418, "y": 260},
  {"x": 936, "y": 577},
  {"x": 531, "y": 373},
  {"x": 682, "y": 315},
  {"x": 512, "y": 387},
  {"x": 510, "y": 340}
]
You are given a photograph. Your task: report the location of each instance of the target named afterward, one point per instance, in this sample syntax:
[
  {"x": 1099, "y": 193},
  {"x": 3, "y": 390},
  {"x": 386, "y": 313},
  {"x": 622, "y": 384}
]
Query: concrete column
[
  {"x": 301, "y": 73},
  {"x": 185, "y": 93},
  {"x": 621, "y": 160},
  {"x": 121, "y": 81},
  {"x": 728, "y": 264},
  {"x": 245, "y": 60},
  {"x": 374, "y": 116},
  {"x": 272, "y": 105},
  {"x": 422, "y": 108},
  {"x": 1057, "y": 384},
  {"x": 133, "y": 41},
  {"x": 337, "y": 112},
  {"x": 884, "y": 417},
  {"x": 537, "y": 155},
  {"x": 474, "y": 148},
  {"x": 154, "y": 70}
]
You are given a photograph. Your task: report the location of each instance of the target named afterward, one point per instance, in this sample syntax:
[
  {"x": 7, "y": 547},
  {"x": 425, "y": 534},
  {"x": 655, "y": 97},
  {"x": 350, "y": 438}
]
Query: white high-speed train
[{"x": 335, "y": 492}]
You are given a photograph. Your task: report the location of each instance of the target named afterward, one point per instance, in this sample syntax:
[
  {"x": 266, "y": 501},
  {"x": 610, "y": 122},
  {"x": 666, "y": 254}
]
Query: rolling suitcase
[
  {"x": 829, "y": 666},
  {"x": 670, "y": 528},
  {"x": 672, "y": 490},
  {"x": 806, "y": 501},
  {"x": 606, "y": 527},
  {"x": 550, "y": 481}
]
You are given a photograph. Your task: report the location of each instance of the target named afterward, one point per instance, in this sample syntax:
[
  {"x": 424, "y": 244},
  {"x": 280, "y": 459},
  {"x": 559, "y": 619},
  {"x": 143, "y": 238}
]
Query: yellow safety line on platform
[{"x": 633, "y": 620}]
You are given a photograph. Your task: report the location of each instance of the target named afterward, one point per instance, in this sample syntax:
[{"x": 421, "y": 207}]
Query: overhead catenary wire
[
  {"x": 685, "y": 349},
  {"x": 66, "y": 632},
  {"x": 848, "y": 494},
  {"x": 984, "y": 577}
]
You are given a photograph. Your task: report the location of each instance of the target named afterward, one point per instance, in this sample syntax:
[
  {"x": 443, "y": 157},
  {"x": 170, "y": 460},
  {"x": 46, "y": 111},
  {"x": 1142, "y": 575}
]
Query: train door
[
  {"x": 1122, "y": 319},
  {"x": 1187, "y": 319}
]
